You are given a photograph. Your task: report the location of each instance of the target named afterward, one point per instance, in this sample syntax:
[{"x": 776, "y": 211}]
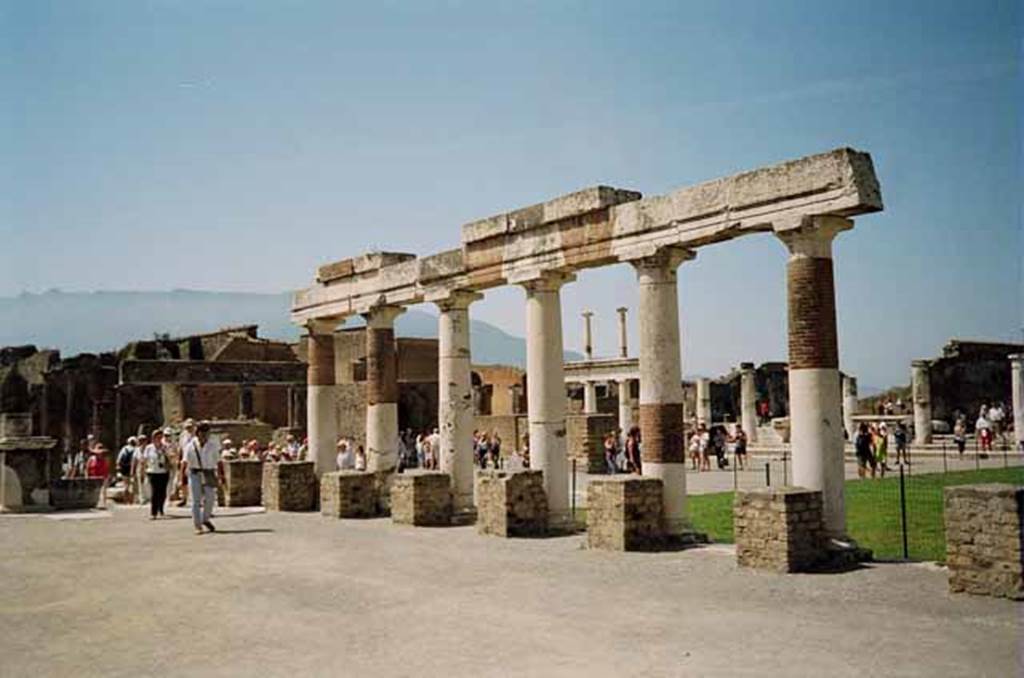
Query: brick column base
[
  {"x": 984, "y": 532},
  {"x": 348, "y": 494},
  {"x": 289, "y": 486},
  {"x": 511, "y": 504},
  {"x": 624, "y": 513},
  {"x": 422, "y": 498},
  {"x": 779, "y": 529}
]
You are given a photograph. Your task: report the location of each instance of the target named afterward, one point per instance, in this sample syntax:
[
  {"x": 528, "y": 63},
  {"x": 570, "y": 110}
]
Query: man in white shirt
[
  {"x": 346, "y": 457},
  {"x": 202, "y": 458}
]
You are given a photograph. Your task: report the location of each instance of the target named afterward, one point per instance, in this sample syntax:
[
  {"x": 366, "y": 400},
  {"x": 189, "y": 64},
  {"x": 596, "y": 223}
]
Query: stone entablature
[
  {"x": 511, "y": 504},
  {"x": 348, "y": 494},
  {"x": 779, "y": 529},
  {"x": 243, "y": 482},
  {"x": 422, "y": 498},
  {"x": 624, "y": 513},
  {"x": 289, "y": 486},
  {"x": 596, "y": 227},
  {"x": 984, "y": 531}
]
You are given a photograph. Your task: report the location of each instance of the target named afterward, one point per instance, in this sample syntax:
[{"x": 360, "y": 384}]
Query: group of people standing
[
  {"x": 622, "y": 451},
  {"x": 871, "y": 447},
  {"x": 716, "y": 442},
  {"x": 351, "y": 457}
]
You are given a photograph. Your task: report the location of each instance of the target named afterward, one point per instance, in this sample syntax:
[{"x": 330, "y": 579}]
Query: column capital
[
  {"x": 920, "y": 364},
  {"x": 382, "y": 316},
  {"x": 747, "y": 368},
  {"x": 455, "y": 300},
  {"x": 662, "y": 260},
  {"x": 1016, "y": 358},
  {"x": 548, "y": 281},
  {"x": 811, "y": 236},
  {"x": 323, "y": 325}
]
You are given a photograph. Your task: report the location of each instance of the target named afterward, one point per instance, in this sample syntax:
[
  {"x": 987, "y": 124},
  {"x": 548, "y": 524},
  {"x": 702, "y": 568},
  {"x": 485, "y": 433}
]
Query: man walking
[{"x": 202, "y": 461}]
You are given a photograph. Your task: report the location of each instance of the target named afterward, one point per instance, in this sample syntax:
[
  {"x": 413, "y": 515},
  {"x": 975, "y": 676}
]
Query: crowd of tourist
[{"x": 871, "y": 448}]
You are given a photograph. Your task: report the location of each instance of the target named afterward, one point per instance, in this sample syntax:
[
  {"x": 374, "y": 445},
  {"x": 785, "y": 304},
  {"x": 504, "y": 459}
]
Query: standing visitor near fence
[
  {"x": 960, "y": 435},
  {"x": 739, "y": 441},
  {"x": 188, "y": 429},
  {"x": 98, "y": 467},
  {"x": 865, "y": 455},
  {"x": 899, "y": 436},
  {"x": 881, "y": 443},
  {"x": 983, "y": 429},
  {"x": 124, "y": 467},
  {"x": 139, "y": 470},
  {"x": 158, "y": 472},
  {"x": 202, "y": 462}
]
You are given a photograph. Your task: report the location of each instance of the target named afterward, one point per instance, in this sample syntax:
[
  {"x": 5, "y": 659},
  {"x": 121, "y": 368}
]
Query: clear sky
[{"x": 236, "y": 145}]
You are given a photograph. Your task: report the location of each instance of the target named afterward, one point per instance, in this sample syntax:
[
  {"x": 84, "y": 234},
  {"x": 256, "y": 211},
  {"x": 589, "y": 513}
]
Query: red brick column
[
  {"x": 381, "y": 388},
  {"x": 321, "y": 408}
]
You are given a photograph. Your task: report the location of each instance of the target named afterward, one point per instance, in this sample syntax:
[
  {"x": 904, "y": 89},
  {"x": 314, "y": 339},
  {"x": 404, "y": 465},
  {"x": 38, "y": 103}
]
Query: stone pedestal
[
  {"x": 511, "y": 504},
  {"x": 624, "y": 513},
  {"x": 779, "y": 529},
  {"x": 75, "y": 493},
  {"x": 983, "y": 539},
  {"x": 421, "y": 498},
  {"x": 348, "y": 494},
  {"x": 289, "y": 486},
  {"x": 243, "y": 482}
]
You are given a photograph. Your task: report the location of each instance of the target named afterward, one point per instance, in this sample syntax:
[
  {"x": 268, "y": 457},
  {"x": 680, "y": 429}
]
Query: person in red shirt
[{"x": 99, "y": 467}]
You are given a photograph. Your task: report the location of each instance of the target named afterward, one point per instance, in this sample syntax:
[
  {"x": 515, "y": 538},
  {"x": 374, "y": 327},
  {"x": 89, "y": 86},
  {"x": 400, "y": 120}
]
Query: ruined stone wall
[
  {"x": 969, "y": 374},
  {"x": 417, "y": 360},
  {"x": 501, "y": 378},
  {"x": 984, "y": 534}
]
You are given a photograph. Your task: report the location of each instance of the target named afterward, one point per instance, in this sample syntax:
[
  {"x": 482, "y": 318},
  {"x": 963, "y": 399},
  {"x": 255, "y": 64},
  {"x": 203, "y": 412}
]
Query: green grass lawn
[{"x": 873, "y": 511}]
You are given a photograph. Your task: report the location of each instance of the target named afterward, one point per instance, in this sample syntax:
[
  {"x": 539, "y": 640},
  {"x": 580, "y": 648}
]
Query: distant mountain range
[{"x": 93, "y": 322}]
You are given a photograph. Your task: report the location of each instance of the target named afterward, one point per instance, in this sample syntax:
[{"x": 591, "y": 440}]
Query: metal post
[
  {"x": 572, "y": 494},
  {"x": 1006, "y": 462},
  {"x": 944, "y": 468},
  {"x": 977, "y": 457},
  {"x": 903, "y": 514},
  {"x": 767, "y": 474},
  {"x": 735, "y": 478},
  {"x": 785, "y": 468}
]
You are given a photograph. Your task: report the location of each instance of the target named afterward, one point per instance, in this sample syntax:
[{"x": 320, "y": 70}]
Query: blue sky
[{"x": 236, "y": 145}]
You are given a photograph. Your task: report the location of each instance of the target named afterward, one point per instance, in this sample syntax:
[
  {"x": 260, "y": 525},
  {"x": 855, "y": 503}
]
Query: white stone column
[
  {"x": 623, "y": 348},
  {"x": 625, "y": 407},
  {"x": 849, "y": 407},
  {"x": 545, "y": 384},
  {"x": 1017, "y": 386},
  {"x": 704, "y": 400},
  {"x": 748, "y": 400},
  {"x": 455, "y": 395},
  {"x": 321, "y": 396},
  {"x": 588, "y": 337},
  {"x": 922, "y": 393},
  {"x": 814, "y": 390},
  {"x": 381, "y": 388},
  {"x": 589, "y": 397},
  {"x": 661, "y": 382}
]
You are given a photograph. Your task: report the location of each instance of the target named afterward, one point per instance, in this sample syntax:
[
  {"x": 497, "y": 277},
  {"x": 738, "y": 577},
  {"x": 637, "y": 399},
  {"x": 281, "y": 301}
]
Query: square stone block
[
  {"x": 422, "y": 498},
  {"x": 779, "y": 529},
  {"x": 511, "y": 504},
  {"x": 984, "y": 538},
  {"x": 348, "y": 494},
  {"x": 289, "y": 486},
  {"x": 243, "y": 482},
  {"x": 624, "y": 513}
]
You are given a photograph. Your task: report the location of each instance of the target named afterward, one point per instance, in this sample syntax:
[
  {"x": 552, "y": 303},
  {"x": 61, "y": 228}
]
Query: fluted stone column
[
  {"x": 704, "y": 400},
  {"x": 1017, "y": 386},
  {"x": 321, "y": 396},
  {"x": 545, "y": 384},
  {"x": 623, "y": 348},
  {"x": 381, "y": 388},
  {"x": 748, "y": 400},
  {"x": 625, "y": 406},
  {"x": 661, "y": 387},
  {"x": 921, "y": 387},
  {"x": 455, "y": 395},
  {"x": 589, "y": 397},
  {"x": 849, "y": 407},
  {"x": 816, "y": 417}
]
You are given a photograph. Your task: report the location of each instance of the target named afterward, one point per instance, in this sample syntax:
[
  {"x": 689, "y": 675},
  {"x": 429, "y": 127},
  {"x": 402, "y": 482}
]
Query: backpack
[{"x": 124, "y": 461}]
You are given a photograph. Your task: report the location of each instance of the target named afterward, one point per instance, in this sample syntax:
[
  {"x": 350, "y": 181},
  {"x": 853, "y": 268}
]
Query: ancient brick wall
[
  {"x": 778, "y": 529},
  {"x": 624, "y": 513},
  {"x": 984, "y": 534},
  {"x": 511, "y": 504},
  {"x": 348, "y": 494},
  {"x": 421, "y": 498}
]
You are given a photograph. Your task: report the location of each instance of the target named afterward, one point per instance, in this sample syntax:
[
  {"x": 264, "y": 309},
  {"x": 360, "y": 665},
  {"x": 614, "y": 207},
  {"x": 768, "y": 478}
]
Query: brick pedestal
[
  {"x": 779, "y": 529},
  {"x": 243, "y": 482},
  {"x": 511, "y": 504},
  {"x": 983, "y": 539},
  {"x": 289, "y": 486},
  {"x": 421, "y": 498},
  {"x": 624, "y": 513},
  {"x": 348, "y": 494}
]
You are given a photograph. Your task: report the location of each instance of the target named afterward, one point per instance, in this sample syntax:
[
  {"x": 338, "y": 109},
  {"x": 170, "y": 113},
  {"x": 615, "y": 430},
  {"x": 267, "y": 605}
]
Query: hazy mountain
[{"x": 77, "y": 322}]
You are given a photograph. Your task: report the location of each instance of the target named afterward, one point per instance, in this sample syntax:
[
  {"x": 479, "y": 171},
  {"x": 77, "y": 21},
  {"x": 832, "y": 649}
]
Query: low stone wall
[
  {"x": 75, "y": 493},
  {"x": 984, "y": 531},
  {"x": 348, "y": 494},
  {"x": 243, "y": 482},
  {"x": 624, "y": 513},
  {"x": 422, "y": 498},
  {"x": 511, "y": 504},
  {"x": 779, "y": 529},
  {"x": 585, "y": 439},
  {"x": 289, "y": 486}
]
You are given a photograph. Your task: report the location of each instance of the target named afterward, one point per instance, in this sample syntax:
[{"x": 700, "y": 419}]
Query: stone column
[
  {"x": 661, "y": 382},
  {"x": 321, "y": 396},
  {"x": 748, "y": 400},
  {"x": 625, "y": 407},
  {"x": 849, "y": 407},
  {"x": 588, "y": 337},
  {"x": 922, "y": 393},
  {"x": 704, "y": 400},
  {"x": 815, "y": 417},
  {"x": 623, "y": 349},
  {"x": 1017, "y": 386},
  {"x": 545, "y": 390},
  {"x": 381, "y": 388},
  {"x": 455, "y": 395},
  {"x": 589, "y": 397}
]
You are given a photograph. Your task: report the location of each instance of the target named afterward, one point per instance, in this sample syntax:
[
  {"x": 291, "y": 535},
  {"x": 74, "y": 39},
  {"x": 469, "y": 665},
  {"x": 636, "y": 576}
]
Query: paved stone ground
[{"x": 301, "y": 595}]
